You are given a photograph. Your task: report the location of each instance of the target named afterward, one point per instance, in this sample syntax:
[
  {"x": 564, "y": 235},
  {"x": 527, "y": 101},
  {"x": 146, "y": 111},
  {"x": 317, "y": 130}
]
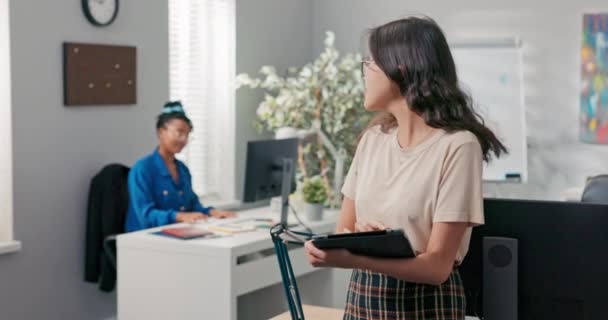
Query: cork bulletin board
[{"x": 99, "y": 74}]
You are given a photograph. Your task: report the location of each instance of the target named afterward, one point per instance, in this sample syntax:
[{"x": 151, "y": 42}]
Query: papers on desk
[
  {"x": 216, "y": 230},
  {"x": 229, "y": 228},
  {"x": 240, "y": 226},
  {"x": 185, "y": 233}
]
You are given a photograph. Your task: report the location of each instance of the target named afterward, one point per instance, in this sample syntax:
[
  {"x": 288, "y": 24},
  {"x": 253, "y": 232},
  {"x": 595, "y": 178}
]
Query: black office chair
[
  {"x": 109, "y": 247},
  {"x": 107, "y": 209},
  {"x": 596, "y": 190},
  {"x": 121, "y": 203}
]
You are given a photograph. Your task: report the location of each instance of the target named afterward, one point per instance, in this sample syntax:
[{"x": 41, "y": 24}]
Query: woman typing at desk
[{"x": 160, "y": 186}]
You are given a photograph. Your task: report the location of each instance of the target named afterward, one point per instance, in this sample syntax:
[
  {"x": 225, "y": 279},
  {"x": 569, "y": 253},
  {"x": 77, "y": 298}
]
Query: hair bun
[{"x": 173, "y": 107}]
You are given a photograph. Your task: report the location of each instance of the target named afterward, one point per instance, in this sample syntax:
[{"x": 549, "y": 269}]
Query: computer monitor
[
  {"x": 270, "y": 171},
  {"x": 563, "y": 257}
]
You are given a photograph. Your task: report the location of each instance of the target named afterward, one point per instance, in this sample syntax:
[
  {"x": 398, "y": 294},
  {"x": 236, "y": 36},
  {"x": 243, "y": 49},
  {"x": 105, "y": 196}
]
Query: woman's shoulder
[
  {"x": 461, "y": 141},
  {"x": 143, "y": 165},
  {"x": 374, "y": 133},
  {"x": 459, "y": 138}
]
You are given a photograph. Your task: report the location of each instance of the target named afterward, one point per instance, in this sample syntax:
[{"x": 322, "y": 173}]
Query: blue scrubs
[{"x": 155, "y": 198}]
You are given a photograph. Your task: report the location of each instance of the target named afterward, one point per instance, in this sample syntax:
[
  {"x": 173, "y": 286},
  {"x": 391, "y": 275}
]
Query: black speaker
[{"x": 499, "y": 278}]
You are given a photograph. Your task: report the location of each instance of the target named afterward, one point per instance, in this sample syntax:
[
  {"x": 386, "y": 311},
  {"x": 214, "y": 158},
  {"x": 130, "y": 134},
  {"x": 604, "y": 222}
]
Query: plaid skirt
[{"x": 377, "y": 296}]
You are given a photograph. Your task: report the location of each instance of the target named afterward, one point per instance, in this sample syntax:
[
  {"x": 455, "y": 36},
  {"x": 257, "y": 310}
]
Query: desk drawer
[{"x": 262, "y": 270}]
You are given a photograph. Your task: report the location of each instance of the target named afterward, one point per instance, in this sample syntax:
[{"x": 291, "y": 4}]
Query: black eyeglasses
[
  {"x": 178, "y": 134},
  {"x": 365, "y": 63}
]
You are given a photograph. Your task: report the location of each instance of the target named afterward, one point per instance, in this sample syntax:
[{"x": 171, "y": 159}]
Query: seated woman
[{"x": 160, "y": 186}]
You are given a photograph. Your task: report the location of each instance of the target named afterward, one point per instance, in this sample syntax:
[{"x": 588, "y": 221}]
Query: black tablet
[{"x": 390, "y": 243}]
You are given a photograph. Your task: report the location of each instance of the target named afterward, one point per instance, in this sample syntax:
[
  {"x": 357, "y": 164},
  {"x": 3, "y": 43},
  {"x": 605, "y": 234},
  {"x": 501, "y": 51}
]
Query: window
[
  {"x": 202, "y": 44},
  {"x": 6, "y": 156}
]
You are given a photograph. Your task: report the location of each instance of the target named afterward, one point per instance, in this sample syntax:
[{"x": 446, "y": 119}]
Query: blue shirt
[{"x": 155, "y": 198}]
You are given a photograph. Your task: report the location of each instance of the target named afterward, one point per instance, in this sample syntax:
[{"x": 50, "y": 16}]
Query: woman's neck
[
  {"x": 167, "y": 156},
  {"x": 411, "y": 128}
]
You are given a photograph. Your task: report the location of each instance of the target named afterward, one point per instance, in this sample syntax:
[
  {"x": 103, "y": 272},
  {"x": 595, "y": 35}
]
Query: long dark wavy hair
[{"x": 415, "y": 55}]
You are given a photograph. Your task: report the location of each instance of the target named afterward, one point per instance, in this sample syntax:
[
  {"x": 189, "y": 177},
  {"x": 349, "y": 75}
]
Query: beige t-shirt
[{"x": 438, "y": 180}]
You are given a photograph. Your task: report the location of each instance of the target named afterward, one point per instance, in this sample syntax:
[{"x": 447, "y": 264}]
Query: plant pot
[
  {"x": 285, "y": 133},
  {"x": 314, "y": 211}
]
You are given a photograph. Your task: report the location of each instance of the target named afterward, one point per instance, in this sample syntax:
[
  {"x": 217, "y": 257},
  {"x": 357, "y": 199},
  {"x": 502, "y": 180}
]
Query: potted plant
[
  {"x": 314, "y": 194},
  {"x": 323, "y": 97}
]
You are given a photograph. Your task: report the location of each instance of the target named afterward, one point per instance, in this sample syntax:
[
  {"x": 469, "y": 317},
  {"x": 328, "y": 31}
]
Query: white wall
[
  {"x": 58, "y": 149},
  {"x": 6, "y": 157},
  {"x": 268, "y": 32},
  {"x": 551, "y": 35}
]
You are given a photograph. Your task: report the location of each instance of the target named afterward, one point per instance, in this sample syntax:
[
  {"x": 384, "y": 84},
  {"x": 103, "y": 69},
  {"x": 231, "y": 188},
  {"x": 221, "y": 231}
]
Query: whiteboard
[{"x": 491, "y": 72}]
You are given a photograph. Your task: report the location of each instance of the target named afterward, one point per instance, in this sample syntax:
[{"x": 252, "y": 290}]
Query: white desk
[{"x": 163, "y": 278}]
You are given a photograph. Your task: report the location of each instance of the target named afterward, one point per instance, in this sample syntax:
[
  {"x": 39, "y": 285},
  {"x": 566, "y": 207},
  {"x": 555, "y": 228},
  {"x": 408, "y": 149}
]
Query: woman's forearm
[
  {"x": 344, "y": 224},
  {"x": 346, "y": 220},
  {"x": 425, "y": 268}
]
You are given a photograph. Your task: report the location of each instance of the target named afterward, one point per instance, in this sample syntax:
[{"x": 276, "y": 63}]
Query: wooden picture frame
[{"x": 95, "y": 74}]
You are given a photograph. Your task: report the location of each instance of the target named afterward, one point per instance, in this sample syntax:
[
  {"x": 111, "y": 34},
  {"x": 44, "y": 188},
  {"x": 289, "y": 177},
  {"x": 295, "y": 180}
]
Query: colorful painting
[{"x": 594, "y": 82}]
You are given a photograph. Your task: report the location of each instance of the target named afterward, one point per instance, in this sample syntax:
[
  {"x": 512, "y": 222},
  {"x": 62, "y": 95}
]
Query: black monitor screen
[{"x": 263, "y": 176}]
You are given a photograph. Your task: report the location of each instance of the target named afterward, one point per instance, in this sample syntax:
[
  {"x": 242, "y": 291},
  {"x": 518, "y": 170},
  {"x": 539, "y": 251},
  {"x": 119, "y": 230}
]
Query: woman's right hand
[
  {"x": 365, "y": 226},
  {"x": 189, "y": 217}
]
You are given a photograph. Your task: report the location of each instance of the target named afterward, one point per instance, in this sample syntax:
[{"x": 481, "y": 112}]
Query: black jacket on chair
[{"x": 107, "y": 209}]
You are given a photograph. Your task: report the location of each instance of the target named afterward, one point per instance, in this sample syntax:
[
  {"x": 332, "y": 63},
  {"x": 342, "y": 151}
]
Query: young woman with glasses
[
  {"x": 160, "y": 186},
  {"x": 417, "y": 167}
]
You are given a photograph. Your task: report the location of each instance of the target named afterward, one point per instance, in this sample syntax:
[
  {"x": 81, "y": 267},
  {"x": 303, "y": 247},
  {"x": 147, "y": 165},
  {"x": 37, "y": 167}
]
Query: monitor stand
[{"x": 287, "y": 174}]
